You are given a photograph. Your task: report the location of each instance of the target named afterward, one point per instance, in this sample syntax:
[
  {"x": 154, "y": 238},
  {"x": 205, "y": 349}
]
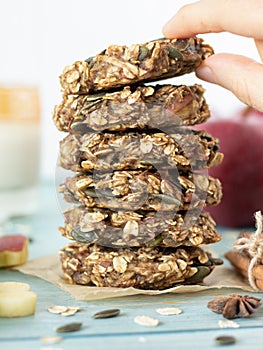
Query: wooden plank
[
  {"x": 195, "y": 327},
  {"x": 195, "y": 316},
  {"x": 245, "y": 339}
]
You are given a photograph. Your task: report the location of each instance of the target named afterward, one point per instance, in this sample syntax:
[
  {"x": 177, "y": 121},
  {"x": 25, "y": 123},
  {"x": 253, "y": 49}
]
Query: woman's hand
[{"x": 241, "y": 75}]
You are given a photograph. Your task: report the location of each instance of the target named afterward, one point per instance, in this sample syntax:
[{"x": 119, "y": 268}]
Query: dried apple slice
[
  {"x": 13, "y": 250},
  {"x": 16, "y": 300}
]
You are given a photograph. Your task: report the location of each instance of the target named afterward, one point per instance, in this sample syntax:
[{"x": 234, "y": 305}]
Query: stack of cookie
[{"x": 137, "y": 188}]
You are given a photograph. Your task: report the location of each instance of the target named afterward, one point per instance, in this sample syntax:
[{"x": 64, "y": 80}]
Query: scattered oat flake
[
  {"x": 228, "y": 324},
  {"x": 71, "y": 310},
  {"x": 142, "y": 339},
  {"x": 146, "y": 321},
  {"x": 167, "y": 311},
  {"x": 57, "y": 309},
  {"x": 51, "y": 339}
]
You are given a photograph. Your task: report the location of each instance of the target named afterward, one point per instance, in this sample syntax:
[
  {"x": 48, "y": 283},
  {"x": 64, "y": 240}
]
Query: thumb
[{"x": 239, "y": 74}]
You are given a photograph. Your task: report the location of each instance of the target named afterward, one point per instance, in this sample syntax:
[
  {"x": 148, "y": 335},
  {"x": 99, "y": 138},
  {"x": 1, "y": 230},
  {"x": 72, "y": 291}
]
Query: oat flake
[
  {"x": 146, "y": 321},
  {"x": 167, "y": 311}
]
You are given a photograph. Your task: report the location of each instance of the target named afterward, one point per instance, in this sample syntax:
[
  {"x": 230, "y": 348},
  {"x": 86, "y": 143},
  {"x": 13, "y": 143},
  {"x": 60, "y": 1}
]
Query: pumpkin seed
[
  {"x": 90, "y": 192},
  {"x": 99, "y": 193},
  {"x": 102, "y": 52},
  {"x": 155, "y": 241},
  {"x": 149, "y": 161},
  {"x": 181, "y": 44},
  {"x": 175, "y": 54},
  {"x": 89, "y": 59},
  {"x": 163, "y": 38},
  {"x": 70, "y": 327},
  {"x": 88, "y": 106},
  {"x": 143, "y": 53},
  {"x": 80, "y": 127},
  {"x": 225, "y": 340},
  {"x": 80, "y": 237},
  {"x": 95, "y": 97},
  {"x": 107, "y": 313},
  {"x": 202, "y": 272},
  {"x": 164, "y": 198},
  {"x": 217, "y": 261}
]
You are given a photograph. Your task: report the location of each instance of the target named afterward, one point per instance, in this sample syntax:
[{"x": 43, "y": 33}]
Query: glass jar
[{"x": 19, "y": 136}]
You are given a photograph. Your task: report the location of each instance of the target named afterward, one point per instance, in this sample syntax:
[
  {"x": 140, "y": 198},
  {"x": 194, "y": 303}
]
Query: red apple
[{"x": 241, "y": 173}]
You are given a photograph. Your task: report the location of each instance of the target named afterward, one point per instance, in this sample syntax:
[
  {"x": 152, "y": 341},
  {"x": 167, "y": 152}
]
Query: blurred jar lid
[{"x": 19, "y": 103}]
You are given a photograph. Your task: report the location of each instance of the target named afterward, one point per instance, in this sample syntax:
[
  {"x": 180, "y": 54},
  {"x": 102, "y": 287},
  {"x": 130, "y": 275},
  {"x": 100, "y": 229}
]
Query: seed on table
[
  {"x": 107, "y": 313},
  {"x": 71, "y": 327},
  {"x": 51, "y": 339},
  {"x": 57, "y": 309},
  {"x": 228, "y": 324},
  {"x": 167, "y": 311},
  {"x": 225, "y": 340},
  {"x": 71, "y": 310},
  {"x": 146, "y": 321}
]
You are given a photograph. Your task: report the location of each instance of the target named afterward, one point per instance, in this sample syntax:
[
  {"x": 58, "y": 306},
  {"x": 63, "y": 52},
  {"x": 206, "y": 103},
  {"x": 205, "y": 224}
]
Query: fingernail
[{"x": 204, "y": 72}]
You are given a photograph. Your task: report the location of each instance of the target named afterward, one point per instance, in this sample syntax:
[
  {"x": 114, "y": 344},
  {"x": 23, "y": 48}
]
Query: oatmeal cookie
[
  {"x": 134, "y": 228},
  {"x": 142, "y": 190},
  {"x": 118, "y": 66},
  {"x": 186, "y": 149},
  {"x": 142, "y": 268},
  {"x": 139, "y": 107}
]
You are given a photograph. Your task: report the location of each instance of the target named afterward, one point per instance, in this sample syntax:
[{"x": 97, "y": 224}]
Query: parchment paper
[{"x": 48, "y": 268}]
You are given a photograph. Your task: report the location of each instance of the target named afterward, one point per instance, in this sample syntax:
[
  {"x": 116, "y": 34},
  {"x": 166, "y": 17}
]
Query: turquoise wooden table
[{"x": 195, "y": 328}]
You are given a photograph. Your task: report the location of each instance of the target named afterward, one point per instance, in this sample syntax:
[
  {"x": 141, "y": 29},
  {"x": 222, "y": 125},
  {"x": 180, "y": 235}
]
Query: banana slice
[
  {"x": 16, "y": 300},
  {"x": 13, "y": 250},
  {"x": 15, "y": 286}
]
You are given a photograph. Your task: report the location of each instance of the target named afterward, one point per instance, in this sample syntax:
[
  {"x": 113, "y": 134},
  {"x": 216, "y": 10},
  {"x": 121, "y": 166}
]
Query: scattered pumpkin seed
[
  {"x": 167, "y": 311},
  {"x": 70, "y": 327},
  {"x": 146, "y": 321},
  {"x": 57, "y": 309},
  {"x": 107, "y": 313},
  {"x": 225, "y": 340},
  {"x": 51, "y": 339},
  {"x": 228, "y": 324}
]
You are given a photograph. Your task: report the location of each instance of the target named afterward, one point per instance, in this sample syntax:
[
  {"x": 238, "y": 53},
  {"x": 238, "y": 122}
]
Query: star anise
[{"x": 234, "y": 305}]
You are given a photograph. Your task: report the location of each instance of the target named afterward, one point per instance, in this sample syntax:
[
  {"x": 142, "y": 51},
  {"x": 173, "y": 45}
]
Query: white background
[{"x": 39, "y": 38}]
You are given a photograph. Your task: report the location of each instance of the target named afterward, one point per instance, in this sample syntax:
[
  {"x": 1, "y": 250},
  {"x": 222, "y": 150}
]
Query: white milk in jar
[{"x": 19, "y": 144}]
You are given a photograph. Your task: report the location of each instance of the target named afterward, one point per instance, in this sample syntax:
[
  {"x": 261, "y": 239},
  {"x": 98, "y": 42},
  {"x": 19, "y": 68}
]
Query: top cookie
[{"x": 118, "y": 66}]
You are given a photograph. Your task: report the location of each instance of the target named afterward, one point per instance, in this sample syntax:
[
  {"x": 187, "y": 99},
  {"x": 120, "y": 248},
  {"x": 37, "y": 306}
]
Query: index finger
[{"x": 206, "y": 16}]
